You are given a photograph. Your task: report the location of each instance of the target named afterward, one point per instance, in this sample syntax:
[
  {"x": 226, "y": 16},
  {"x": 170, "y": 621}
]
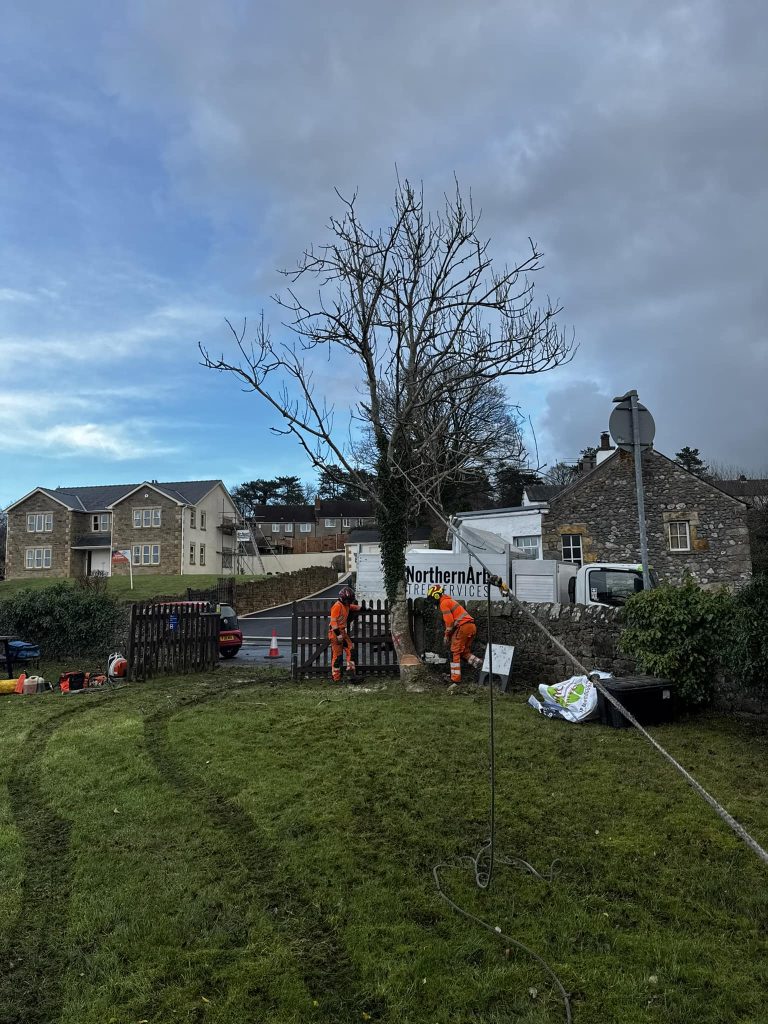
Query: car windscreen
[{"x": 228, "y": 617}]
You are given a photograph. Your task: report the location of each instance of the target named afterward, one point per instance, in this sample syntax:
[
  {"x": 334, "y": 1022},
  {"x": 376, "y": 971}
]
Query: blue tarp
[{"x": 22, "y": 651}]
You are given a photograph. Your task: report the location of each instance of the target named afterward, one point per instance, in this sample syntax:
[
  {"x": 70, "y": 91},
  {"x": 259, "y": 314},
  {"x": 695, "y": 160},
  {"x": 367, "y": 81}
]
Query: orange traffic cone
[{"x": 274, "y": 650}]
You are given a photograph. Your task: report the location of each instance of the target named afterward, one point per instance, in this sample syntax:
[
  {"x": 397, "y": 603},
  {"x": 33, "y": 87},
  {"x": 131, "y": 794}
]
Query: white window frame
[
  {"x": 193, "y": 519},
  {"x": 39, "y": 522},
  {"x": 38, "y": 558},
  {"x": 288, "y": 527},
  {"x": 677, "y": 547},
  {"x": 192, "y": 553},
  {"x": 203, "y": 520},
  {"x": 571, "y": 560},
  {"x": 146, "y": 554},
  {"x": 275, "y": 527},
  {"x": 100, "y": 522},
  {"x": 346, "y": 524},
  {"x": 147, "y": 518},
  {"x": 202, "y": 554},
  {"x": 529, "y": 542},
  {"x": 330, "y": 524},
  {"x": 305, "y": 527}
]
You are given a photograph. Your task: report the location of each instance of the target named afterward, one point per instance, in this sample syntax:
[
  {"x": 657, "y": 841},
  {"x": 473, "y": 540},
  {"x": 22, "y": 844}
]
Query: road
[{"x": 257, "y": 631}]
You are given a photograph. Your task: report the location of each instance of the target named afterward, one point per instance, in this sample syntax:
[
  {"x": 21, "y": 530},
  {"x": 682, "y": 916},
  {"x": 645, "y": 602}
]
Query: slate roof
[
  {"x": 744, "y": 488},
  {"x": 542, "y": 492},
  {"x": 93, "y": 540},
  {"x": 98, "y": 499},
  {"x": 283, "y": 514},
  {"x": 345, "y": 508}
]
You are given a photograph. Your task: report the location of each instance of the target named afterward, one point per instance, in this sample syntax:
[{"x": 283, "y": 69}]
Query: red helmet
[{"x": 347, "y": 595}]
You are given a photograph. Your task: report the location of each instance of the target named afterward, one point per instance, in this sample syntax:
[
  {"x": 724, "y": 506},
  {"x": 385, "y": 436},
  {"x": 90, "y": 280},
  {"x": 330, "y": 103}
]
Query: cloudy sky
[{"x": 161, "y": 159}]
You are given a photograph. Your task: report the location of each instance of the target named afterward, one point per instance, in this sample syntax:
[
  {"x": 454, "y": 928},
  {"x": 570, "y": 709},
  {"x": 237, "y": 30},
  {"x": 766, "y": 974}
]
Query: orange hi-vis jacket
[
  {"x": 339, "y": 617},
  {"x": 453, "y": 613}
]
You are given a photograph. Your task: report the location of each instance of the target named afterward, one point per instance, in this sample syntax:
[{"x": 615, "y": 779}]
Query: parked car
[{"x": 230, "y": 634}]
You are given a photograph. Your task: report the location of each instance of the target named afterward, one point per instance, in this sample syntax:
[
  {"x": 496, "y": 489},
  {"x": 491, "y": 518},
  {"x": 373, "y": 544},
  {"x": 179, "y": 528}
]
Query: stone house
[
  {"x": 297, "y": 529},
  {"x": 754, "y": 493},
  {"x": 177, "y": 528},
  {"x": 693, "y": 525}
]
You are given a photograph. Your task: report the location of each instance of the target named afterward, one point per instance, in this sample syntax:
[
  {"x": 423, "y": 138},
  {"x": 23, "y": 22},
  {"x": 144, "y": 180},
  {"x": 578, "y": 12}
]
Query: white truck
[
  {"x": 536, "y": 580},
  {"x": 605, "y": 583}
]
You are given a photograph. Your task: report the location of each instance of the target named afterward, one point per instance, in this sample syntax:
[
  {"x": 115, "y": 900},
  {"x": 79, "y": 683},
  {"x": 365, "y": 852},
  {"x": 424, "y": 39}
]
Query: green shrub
[
  {"x": 65, "y": 620},
  {"x": 681, "y": 634},
  {"x": 748, "y": 649}
]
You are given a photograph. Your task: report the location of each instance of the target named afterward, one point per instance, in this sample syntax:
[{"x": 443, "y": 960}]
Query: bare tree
[
  {"x": 431, "y": 326},
  {"x": 561, "y": 474}
]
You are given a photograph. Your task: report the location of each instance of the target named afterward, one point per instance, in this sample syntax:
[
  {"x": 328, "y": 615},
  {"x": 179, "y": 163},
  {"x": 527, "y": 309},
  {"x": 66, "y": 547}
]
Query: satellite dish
[{"x": 620, "y": 424}]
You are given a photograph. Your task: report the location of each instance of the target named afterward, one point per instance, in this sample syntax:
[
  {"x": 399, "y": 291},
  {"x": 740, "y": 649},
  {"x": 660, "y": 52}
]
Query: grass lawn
[
  {"x": 226, "y": 850},
  {"x": 144, "y": 586}
]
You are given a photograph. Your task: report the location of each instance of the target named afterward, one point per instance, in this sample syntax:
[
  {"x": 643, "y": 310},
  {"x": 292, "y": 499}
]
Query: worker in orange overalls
[
  {"x": 460, "y": 630},
  {"x": 338, "y": 634}
]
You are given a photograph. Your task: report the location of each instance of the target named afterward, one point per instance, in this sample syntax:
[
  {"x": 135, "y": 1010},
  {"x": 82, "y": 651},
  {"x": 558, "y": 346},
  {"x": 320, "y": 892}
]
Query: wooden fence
[
  {"x": 171, "y": 638},
  {"x": 371, "y": 633}
]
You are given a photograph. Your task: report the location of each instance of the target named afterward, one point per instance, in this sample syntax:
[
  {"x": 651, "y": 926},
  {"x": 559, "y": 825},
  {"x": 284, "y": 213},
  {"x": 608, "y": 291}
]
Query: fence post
[
  {"x": 131, "y": 642},
  {"x": 294, "y": 642}
]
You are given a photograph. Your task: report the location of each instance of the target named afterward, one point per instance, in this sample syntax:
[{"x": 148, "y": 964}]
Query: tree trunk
[{"x": 409, "y": 662}]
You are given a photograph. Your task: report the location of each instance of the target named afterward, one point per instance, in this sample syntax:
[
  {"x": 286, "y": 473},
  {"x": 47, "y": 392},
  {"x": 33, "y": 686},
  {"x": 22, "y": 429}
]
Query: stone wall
[
  {"x": 168, "y": 535},
  {"x": 602, "y": 509},
  {"x": 258, "y": 594},
  {"x": 58, "y": 540},
  {"x": 590, "y": 632}
]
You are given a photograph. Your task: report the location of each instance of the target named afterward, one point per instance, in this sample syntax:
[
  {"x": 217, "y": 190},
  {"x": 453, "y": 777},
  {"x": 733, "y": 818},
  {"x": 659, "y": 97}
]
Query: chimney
[{"x": 606, "y": 449}]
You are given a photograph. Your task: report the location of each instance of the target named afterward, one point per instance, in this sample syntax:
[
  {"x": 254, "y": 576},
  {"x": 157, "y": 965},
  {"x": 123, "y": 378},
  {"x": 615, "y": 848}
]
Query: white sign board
[
  {"x": 243, "y": 536},
  {"x": 502, "y": 665},
  {"x": 502, "y": 659},
  {"x": 463, "y": 577}
]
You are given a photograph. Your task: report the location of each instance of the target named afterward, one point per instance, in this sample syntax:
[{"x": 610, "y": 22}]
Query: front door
[{"x": 99, "y": 561}]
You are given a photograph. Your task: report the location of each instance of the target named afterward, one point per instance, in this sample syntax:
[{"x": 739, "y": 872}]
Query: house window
[
  {"x": 306, "y": 527},
  {"x": 203, "y": 520},
  {"x": 192, "y": 519},
  {"x": 40, "y": 522},
  {"x": 572, "y": 548},
  {"x": 528, "y": 543},
  {"x": 288, "y": 527},
  {"x": 346, "y": 523},
  {"x": 191, "y": 554},
  {"x": 275, "y": 527},
  {"x": 679, "y": 535},
  {"x": 100, "y": 523},
  {"x": 146, "y": 517},
  {"x": 146, "y": 554},
  {"x": 330, "y": 524},
  {"x": 38, "y": 558},
  {"x": 202, "y": 554}
]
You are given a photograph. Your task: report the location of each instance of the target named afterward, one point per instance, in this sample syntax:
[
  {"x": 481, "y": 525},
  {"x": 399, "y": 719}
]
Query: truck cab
[{"x": 606, "y": 583}]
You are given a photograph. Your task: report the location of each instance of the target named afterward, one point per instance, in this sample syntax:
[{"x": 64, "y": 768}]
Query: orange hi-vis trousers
[
  {"x": 341, "y": 649},
  {"x": 461, "y": 647}
]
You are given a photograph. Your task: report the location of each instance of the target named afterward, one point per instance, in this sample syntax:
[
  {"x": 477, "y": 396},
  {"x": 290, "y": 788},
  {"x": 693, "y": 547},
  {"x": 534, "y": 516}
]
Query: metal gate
[{"x": 370, "y": 631}]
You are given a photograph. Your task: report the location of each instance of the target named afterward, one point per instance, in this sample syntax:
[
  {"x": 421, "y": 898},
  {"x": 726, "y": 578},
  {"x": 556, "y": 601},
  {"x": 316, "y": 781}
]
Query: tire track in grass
[
  {"x": 35, "y": 959},
  {"x": 323, "y": 963}
]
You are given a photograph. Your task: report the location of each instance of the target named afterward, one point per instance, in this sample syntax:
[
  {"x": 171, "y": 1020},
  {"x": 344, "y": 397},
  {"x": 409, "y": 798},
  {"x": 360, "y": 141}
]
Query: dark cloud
[{"x": 629, "y": 138}]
